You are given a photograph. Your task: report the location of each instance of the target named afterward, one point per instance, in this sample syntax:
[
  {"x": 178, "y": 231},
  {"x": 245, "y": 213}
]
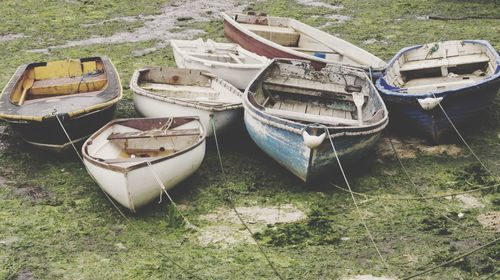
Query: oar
[
  {"x": 359, "y": 100},
  {"x": 27, "y": 84}
]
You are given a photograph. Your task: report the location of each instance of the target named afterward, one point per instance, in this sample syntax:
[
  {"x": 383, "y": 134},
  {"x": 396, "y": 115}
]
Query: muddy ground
[{"x": 57, "y": 224}]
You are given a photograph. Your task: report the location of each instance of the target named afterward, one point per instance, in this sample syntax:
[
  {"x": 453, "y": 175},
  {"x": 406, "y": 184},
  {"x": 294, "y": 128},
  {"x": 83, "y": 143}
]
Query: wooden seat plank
[
  {"x": 153, "y": 134},
  {"x": 440, "y": 62},
  {"x": 329, "y": 120}
]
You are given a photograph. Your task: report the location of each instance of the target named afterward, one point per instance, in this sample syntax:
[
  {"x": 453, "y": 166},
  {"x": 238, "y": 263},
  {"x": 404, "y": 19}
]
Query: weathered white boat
[
  {"x": 163, "y": 91},
  {"x": 277, "y": 37},
  {"x": 126, "y": 155},
  {"x": 228, "y": 61},
  {"x": 291, "y": 110}
]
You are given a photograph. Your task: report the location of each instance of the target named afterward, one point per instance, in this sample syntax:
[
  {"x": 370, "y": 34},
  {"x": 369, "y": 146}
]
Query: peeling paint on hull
[{"x": 288, "y": 149}]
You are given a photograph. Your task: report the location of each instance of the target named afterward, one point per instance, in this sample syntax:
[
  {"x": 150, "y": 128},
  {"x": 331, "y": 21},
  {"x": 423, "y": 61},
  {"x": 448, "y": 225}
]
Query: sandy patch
[
  {"x": 374, "y": 41},
  {"x": 469, "y": 201},
  {"x": 9, "y": 240},
  {"x": 410, "y": 148},
  {"x": 10, "y": 37},
  {"x": 159, "y": 27},
  {"x": 229, "y": 231},
  {"x": 334, "y": 19},
  {"x": 490, "y": 220},
  {"x": 368, "y": 277},
  {"x": 320, "y": 4},
  {"x": 286, "y": 213},
  {"x": 223, "y": 236},
  {"x": 24, "y": 274}
]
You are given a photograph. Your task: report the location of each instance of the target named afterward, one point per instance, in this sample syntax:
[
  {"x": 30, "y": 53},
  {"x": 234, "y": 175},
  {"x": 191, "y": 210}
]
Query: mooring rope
[
  {"x": 232, "y": 205},
  {"x": 452, "y": 260},
  {"x": 465, "y": 142},
  {"x": 355, "y": 202},
  {"x": 491, "y": 275},
  {"x": 164, "y": 189},
  {"x": 151, "y": 242},
  {"x": 415, "y": 197},
  {"x": 403, "y": 167}
]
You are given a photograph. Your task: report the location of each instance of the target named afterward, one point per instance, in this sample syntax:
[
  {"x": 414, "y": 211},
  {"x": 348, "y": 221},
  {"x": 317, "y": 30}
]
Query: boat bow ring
[
  {"x": 429, "y": 103},
  {"x": 313, "y": 141}
]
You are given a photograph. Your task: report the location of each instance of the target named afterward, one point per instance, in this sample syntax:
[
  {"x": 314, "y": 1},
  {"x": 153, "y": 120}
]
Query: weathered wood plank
[
  {"x": 439, "y": 62},
  {"x": 313, "y": 108},
  {"x": 310, "y": 118},
  {"x": 300, "y": 107},
  {"x": 339, "y": 113},
  {"x": 326, "y": 111},
  {"x": 153, "y": 133},
  {"x": 286, "y": 105}
]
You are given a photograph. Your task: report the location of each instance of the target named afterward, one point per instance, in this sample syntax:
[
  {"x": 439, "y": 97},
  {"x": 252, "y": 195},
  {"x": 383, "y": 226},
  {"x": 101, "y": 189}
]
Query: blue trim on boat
[
  {"x": 463, "y": 105},
  {"x": 282, "y": 139}
]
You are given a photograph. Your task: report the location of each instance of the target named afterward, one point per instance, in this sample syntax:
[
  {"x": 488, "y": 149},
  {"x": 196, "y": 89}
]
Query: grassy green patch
[{"x": 56, "y": 223}]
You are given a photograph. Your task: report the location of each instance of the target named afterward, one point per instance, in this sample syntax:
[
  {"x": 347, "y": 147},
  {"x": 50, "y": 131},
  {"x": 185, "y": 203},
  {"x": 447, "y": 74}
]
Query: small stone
[
  {"x": 345, "y": 238},
  {"x": 460, "y": 215},
  {"x": 120, "y": 246}
]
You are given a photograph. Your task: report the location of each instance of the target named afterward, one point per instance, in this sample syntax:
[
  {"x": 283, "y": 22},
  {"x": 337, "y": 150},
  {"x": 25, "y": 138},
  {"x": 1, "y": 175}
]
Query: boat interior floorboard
[
  {"x": 167, "y": 89},
  {"x": 440, "y": 83},
  {"x": 311, "y": 108}
]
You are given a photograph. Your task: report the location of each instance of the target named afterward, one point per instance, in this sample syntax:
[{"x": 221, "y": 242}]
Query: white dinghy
[
  {"x": 164, "y": 91},
  {"x": 129, "y": 157},
  {"x": 228, "y": 61}
]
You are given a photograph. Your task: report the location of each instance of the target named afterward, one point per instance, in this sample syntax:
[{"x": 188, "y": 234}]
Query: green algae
[{"x": 56, "y": 223}]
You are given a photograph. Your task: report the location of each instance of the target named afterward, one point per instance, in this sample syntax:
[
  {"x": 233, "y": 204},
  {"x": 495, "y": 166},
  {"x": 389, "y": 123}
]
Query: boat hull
[
  {"x": 239, "y": 75},
  {"x": 138, "y": 187},
  {"x": 49, "y": 135},
  {"x": 464, "y": 103},
  {"x": 464, "y": 107},
  {"x": 288, "y": 148},
  {"x": 155, "y": 107},
  {"x": 262, "y": 48}
]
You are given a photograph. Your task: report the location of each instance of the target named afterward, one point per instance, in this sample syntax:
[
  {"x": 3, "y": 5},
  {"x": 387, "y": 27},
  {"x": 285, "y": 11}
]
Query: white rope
[
  {"x": 164, "y": 189},
  {"x": 463, "y": 140},
  {"x": 212, "y": 118},
  {"x": 66, "y": 133},
  {"x": 354, "y": 200},
  {"x": 151, "y": 240},
  {"x": 229, "y": 199},
  {"x": 404, "y": 168}
]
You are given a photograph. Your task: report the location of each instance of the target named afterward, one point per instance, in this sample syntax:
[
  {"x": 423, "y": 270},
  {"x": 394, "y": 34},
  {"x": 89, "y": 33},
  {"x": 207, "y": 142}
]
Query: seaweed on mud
[
  {"x": 318, "y": 229},
  {"x": 475, "y": 175}
]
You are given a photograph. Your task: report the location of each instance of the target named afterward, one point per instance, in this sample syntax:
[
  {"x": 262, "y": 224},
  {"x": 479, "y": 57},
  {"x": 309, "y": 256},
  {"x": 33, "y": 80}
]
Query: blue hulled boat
[
  {"x": 461, "y": 76},
  {"x": 291, "y": 110}
]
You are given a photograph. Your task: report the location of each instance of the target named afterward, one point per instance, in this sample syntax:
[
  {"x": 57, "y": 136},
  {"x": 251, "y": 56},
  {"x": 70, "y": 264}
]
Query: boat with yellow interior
[{"x": 77, "y": 94}]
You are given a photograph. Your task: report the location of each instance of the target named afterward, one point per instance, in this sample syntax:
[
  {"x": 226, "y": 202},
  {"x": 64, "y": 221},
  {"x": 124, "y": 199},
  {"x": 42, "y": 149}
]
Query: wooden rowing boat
[
  {"x": 291, "y": 110},
  {"x": 461, "y": 76},
  {"x": 163, "y": 91},
  {"x": 276, "y": 37},
  {"x": 127, "y": 156},
  {"x": 228, "y": 61},
  {"x": 82, "y": 93}
]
